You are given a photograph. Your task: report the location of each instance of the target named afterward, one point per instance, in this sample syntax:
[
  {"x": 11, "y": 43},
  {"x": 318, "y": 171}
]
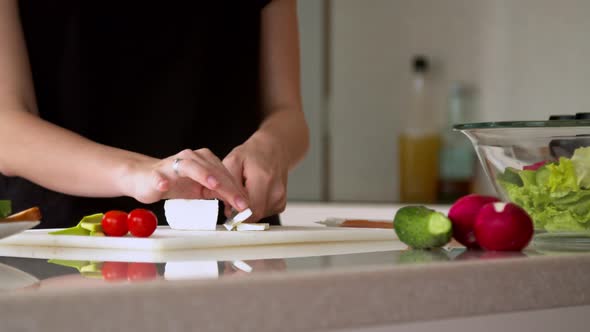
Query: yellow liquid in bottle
[{"x": 418, "y": 158}]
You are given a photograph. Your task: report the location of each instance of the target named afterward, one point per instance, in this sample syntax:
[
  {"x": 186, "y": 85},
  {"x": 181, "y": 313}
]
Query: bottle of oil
[
  {"x": 457, "y": 157},
  {"x": 419, "y": 141}
]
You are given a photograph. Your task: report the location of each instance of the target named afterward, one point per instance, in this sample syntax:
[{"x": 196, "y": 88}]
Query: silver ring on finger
[{"x": 176, "y": 166}]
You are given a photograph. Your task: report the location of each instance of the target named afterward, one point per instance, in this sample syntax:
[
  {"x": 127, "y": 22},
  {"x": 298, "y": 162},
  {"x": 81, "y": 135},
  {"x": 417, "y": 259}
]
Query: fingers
[
  {"x": 271, "y": 198},
  {"x": 258, "y": 185},
  {"x": 263, "y": 180},
  {"x": 204, "y": 167},
  {"x": 161, "y": 183},
  {"x": 267, "y": 195},
  {"x": 277, "y": 197},
  {"x": 152, "y": 187},
  {"x": 234, "y": 173},
  {"x": 234, "y": 164}
]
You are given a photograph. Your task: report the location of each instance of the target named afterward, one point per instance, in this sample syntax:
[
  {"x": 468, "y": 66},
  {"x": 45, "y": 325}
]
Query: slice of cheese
[
  {"x": 192, "y": 214},
  {"x": 237, "y": 219},
  {"x": 252, "y": 227}
]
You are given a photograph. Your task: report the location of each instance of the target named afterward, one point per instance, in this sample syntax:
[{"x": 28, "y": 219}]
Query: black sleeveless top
[{"x": 153, "y": 78}]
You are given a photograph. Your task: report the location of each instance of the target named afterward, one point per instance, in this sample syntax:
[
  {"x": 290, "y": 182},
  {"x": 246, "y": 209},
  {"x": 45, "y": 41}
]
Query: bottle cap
[{"x": 420, "y": 64}]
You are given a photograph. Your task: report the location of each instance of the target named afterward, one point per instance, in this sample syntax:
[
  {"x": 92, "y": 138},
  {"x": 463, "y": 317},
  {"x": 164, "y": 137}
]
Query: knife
[{"x": 357, "y": 223}]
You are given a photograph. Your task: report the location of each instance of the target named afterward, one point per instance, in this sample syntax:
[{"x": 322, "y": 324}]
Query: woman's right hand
[{"x": 200, "y": 175}]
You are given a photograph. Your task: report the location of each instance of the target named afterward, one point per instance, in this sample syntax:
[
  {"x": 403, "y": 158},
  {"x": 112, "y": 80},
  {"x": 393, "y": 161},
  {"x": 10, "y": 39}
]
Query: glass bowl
[{"x": 544, "y": 167}]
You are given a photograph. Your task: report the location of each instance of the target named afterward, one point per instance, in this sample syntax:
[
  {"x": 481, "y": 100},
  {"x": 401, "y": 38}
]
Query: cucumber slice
[
  {"x": 76, "y": 230},
  {"x": 89, "y": 225},
  {"x": 92, "y": 227}
]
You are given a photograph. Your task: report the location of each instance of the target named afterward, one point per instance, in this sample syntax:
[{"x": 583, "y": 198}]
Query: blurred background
[{"x": 383, "y": 80}]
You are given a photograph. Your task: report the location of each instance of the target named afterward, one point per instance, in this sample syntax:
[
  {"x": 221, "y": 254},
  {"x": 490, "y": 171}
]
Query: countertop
[{"x": 301, "y": 287}]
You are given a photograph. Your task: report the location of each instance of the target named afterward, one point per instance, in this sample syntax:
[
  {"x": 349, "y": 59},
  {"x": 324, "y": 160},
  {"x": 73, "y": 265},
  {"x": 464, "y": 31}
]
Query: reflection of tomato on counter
[{"x": 112, "y": 271}]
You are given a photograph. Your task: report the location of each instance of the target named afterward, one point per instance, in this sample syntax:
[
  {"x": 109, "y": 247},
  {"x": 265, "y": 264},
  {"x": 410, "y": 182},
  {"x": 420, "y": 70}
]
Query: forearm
[
  {"x": 37, "y": 150},
  {"x": 281, "y": 96},
  {"x": 61, "y": 160},
  {"x": 288, "y": 130}
]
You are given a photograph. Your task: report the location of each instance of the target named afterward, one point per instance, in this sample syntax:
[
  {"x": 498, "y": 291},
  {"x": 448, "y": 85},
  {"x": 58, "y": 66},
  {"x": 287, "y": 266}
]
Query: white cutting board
[{"x": 165, "y": 238}]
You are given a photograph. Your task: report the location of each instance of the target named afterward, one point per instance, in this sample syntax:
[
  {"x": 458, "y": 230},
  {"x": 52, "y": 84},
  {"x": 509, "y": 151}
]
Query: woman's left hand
[{"x": 260, "y": 165}]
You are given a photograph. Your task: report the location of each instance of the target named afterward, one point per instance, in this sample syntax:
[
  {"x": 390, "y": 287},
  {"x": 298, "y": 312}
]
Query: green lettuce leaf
[
  {"x": 553, "y": 195},
  {"x": 581, "y": 162},
  {"x": 560, "y": 221},
  {"x": 561, "y": 179}
]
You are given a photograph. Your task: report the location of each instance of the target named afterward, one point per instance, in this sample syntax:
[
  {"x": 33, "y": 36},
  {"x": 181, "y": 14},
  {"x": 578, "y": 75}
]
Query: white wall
[
  {"x": 527, "y": 57},
  {"x": 546, "y": 51}
]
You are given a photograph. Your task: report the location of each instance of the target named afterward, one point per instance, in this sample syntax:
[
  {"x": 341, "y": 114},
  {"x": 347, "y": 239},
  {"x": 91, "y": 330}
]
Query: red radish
[
  {"x": 463, "y": 214},
  {"x": 535, "y": 166},
  {"x": 503, "y": 227}
]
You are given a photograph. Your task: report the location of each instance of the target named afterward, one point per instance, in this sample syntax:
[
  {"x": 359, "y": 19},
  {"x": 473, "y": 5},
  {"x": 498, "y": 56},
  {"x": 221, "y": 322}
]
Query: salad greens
[{"x": 556, "y": 195}]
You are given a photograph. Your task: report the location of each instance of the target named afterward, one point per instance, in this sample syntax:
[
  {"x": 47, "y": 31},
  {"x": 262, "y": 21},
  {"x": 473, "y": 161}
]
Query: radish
[
  {"x": 463, "y": 214},
  {"x": 535, "y": 166},
  {"x": 503, "y": 227}
]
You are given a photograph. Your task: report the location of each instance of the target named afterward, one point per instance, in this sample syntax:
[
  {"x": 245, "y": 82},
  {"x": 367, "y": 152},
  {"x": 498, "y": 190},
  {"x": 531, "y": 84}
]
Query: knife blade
[{"x": 356, "y": 223}]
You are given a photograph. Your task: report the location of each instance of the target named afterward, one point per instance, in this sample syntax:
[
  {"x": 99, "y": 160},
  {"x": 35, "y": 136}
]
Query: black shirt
[{"x": 149, "y": 77}]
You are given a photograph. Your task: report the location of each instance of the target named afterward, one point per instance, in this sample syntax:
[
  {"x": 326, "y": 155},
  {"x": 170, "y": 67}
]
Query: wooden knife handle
[{"x": 361, "y": 223}]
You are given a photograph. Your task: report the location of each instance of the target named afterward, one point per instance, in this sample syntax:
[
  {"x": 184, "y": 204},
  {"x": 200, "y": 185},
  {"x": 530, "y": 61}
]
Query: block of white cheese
[{"x": 192, "y": 214}]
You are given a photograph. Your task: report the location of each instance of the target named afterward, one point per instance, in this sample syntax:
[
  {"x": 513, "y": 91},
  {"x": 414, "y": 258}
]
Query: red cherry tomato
[
  {"x": 142, "y": 222},
  {"x": 114, "y": 271},
  {"x": 114, "y": 223},
  {"x": 142, "y": 271}
]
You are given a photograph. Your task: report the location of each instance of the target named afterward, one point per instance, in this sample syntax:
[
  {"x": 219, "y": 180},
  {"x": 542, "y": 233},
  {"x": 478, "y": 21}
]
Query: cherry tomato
[
  {"x": 114, "y": 223},
  {"x": 142, "y": 271},
  {"x": 114, "y": 271},
  {"x": 142, "y": 222}
]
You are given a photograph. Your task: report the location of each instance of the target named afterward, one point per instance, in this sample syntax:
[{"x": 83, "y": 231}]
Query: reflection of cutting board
[
  {"x": 167, "y": 239},
  {"x": 274, "y": 251}
]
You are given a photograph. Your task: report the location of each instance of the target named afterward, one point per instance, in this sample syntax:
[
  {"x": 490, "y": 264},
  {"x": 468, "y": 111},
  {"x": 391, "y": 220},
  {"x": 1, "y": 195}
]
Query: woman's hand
[
  {"x": 199, "y": 175},
  {"x": 259, "y": 164}
]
